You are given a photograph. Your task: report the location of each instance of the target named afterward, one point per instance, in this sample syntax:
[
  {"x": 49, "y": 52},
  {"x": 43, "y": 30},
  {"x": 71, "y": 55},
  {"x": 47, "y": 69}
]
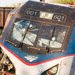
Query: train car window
[
  {"x": 51, "y": 36},
  {"x": 20, "y": 27},
  {"x": 44, "y": 36},
  {"x": 32, "y": 33},
  {"x": 38, "y": 35}
]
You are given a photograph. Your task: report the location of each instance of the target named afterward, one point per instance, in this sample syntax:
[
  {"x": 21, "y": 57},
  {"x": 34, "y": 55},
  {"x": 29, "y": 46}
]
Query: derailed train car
[{"x": 39, "y": 39}]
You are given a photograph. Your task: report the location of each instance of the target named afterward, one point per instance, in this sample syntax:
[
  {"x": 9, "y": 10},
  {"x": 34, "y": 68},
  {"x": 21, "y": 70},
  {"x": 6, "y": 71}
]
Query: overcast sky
[{"x": 8, "y": 3}]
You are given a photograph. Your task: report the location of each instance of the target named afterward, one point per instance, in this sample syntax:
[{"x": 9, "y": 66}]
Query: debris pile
[{"x": 6, "y": 66}]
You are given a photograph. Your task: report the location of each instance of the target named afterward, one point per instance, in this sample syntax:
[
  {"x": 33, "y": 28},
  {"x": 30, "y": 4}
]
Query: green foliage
[
  {"x": 67, "y": 1},
  {"x": 1, "y": 31}
]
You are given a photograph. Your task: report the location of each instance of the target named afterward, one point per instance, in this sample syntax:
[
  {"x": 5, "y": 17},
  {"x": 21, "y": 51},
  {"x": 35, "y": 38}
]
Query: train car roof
[
  {"x": 50, "y": 8},
  {"x": 47, "y": 7}
]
